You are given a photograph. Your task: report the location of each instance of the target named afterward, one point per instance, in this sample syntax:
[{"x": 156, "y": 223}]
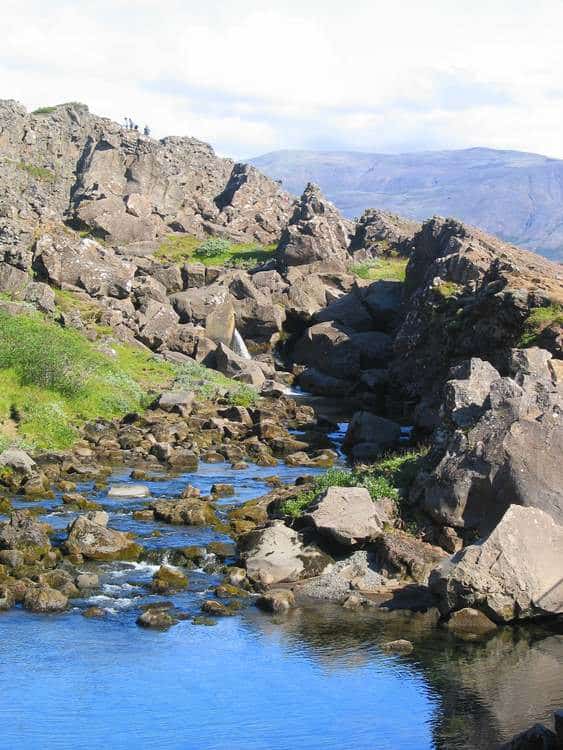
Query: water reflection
[{"x": 484, "y": 691}]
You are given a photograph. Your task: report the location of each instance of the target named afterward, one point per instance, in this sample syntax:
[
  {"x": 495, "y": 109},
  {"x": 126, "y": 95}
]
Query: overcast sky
[{"x": 253, "y": 76}]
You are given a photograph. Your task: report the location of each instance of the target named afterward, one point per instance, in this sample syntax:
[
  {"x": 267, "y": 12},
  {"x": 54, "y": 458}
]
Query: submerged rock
[
  {"x": 468, "y": 621},
  {"x": 276, "y": 600}
]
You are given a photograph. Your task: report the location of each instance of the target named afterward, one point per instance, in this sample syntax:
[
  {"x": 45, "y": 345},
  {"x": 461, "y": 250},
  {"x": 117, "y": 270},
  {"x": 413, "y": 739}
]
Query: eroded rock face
[
  {"x": 96, "y": 542},
  {"x": 126, "y": 188},
  {"x": 316, "y": 233},
  {"x": 514, "y": 573},
  {"x": 378, "y": 232},
  {"x": 509, "y": 450},
  {"x": 277, "y": 553},
  {"x": 347, "y": 515},
  {"x": 467, "y": 294}
]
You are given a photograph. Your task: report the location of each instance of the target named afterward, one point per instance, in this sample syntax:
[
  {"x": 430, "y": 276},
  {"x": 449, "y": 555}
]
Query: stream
[{"x": 314, "y": 678}]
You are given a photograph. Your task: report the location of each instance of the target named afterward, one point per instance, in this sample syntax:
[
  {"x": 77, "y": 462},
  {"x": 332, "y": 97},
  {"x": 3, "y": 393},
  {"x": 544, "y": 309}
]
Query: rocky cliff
[{"x": 65, "y": 163}]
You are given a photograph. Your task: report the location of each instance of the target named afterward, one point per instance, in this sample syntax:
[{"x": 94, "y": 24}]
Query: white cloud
[{"x": 256, "y": 75}]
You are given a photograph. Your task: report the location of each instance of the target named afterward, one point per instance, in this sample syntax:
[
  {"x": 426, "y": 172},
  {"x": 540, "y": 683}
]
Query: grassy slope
[{"x": 53, "y": 379}]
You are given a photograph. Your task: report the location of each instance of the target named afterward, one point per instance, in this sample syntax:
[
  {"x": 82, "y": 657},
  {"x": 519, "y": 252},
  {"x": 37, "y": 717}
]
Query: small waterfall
[{"x": 238, "y": 346}]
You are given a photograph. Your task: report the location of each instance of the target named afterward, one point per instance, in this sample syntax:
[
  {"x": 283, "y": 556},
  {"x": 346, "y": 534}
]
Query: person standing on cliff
[{"x": 147, "y": 131}]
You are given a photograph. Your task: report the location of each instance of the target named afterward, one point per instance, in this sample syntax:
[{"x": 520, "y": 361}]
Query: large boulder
[
  {"x": 514, "y": 573},
  {"x": 276, "y": 553},
  {"x": 95, "y": 541},
  {"x": 22, "y": 532},
  {"x": 510, "y": 447},
  {"x": 347, "y": 515},
  {"x": 369, "y": 436},
  {"x": 237, "y": 367},
  {"x": 328, "y": 347},
  {"x": 316, "y": 232},
  {"x": 84, "y": 263}
]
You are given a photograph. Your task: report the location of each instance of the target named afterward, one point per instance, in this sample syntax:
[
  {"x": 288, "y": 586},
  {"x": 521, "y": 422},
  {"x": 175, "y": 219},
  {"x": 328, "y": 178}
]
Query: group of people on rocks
[{"x": 130, "y": 125}]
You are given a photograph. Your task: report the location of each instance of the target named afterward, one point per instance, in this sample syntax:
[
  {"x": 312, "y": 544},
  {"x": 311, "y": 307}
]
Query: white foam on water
[{"x": 120, "y": 602}]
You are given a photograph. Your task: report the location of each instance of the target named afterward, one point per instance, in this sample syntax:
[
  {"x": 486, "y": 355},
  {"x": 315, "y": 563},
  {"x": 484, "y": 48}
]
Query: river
[{"x": 315, "y": 678}]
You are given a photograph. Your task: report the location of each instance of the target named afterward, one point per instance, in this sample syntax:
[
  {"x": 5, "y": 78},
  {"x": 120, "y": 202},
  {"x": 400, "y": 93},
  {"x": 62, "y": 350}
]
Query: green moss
[
  {"x": 38, "y": 173},
  {"x": 540, "y": 318},
  {"x": 391, "y": 268},
  {"x": 385, "y": 478},
  {"x": 215, "y": 251},
  {"x": 50, "y": 110},
  {"x": 448, "y": 289}
]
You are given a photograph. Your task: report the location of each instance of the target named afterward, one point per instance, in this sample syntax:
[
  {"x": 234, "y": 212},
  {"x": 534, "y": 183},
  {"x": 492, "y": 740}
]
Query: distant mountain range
[{"x": 514, "y": 195}]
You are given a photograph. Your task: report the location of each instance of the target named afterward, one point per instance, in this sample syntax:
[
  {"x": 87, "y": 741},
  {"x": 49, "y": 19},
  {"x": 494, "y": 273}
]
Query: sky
[{"x": 254, "y": 76}]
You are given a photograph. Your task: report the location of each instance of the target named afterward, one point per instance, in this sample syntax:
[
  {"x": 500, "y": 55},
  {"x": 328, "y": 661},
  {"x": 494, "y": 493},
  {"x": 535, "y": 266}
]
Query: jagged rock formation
[
  {"x": 514, "y": 195},
  {"x": 69, "y": 164},
  {"x": 316, "y": 233},
  {"x": 500, "y": 443},
  {"x": 467, "y": 294},
  {"x": 378, "y": 232}
]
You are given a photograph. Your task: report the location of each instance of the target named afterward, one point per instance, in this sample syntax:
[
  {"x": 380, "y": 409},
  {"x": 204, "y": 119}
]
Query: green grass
[
  {"x": 385, "y": 478},
  {"x": 50, "y": 110},
  {"x": 180, "y": 248},
  {"x": 447, "y": 289},
  {"x": 540, "y": 318},
  {"x": 38, "y": 173},
  {"x": 382, "y": 269},
  {"x": 209, "y": 384},
  {"x": 44, "y": 111},
  {"x": 52, "y": 380}
]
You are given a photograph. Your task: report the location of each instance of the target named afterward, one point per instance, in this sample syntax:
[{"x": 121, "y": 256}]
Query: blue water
[{"x": 316, "y": 678}]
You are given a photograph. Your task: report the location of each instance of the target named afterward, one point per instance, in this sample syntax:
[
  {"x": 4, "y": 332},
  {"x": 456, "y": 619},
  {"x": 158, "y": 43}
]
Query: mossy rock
[
  {"x": 5, "y": 506},
  {"x": 167, "y": 579},
  {"x": 228, "y": 591},
  {"x": 222, "y": 550}
]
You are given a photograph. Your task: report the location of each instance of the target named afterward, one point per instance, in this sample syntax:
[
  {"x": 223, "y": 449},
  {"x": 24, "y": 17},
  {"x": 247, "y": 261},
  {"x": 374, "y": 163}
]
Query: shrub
[
  {"x": 388, "y": 477},
  {"x": 39, "y": 173},
  {"x": 213, "y": 247}
]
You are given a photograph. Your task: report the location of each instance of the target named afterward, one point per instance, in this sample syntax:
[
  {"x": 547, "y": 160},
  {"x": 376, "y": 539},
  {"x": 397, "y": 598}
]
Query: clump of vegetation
[
  {"x": 53, "y": 379},
  {"x": 44, "y": 111},
  {"x": 389, "y": 477},
  {"x": 210, "y": 384},
  {"x": 38, "y": 173},
  {"x": 389, "y": 268},
  {"x": 213, "y": 248},
  {"x": 215, "y": 251},
  {"x": 540, "y": 318},
  {"x": 447, "y": 289}
]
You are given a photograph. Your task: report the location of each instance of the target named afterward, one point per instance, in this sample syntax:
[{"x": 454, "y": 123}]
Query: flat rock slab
[{"x": 129, "y": 490}]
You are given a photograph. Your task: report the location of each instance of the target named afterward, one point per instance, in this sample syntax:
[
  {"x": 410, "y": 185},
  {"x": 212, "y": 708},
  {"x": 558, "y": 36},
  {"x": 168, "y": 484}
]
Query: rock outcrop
[
  {"x": 379, "y": 232},
  {"x": 500, "y": 443},
  {"x": 514, "y": 573},
  {"x": 467, "y": 294},
  {"x": 128, "y": 189},
  {"x": 316, "y": 233}
]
